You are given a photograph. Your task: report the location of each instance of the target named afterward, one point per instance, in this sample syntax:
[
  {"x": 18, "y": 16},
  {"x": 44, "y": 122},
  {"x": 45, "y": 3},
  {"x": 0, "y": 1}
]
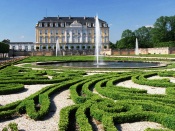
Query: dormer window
[
  {"x": 62, "y": 24},
  {"x": 40, "y": 24},
  {"x": 104, "y": 25},
  {"x": 45, "y": 24},
  {"x": 51, "y": 24},
  {"x": 89, "y": 24},
  {"x": 56, "y": 24}
]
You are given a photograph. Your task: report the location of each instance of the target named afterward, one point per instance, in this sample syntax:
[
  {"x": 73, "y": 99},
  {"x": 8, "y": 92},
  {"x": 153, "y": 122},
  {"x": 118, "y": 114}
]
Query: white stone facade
[
  {"x": 71, "y": 32},
  {"x": 22, "y": 46}
]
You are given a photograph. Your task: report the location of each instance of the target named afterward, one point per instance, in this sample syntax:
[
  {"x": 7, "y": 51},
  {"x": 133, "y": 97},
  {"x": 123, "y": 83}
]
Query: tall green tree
[
  {"x": 4, "y": 48},
  {"x": 126, "y": 43},
  {"x": 164, "y": 29},
  {"x": 112, "y": 45},
  {"x": 127, "y": 33},
  {"x": 144, "y": 37}
]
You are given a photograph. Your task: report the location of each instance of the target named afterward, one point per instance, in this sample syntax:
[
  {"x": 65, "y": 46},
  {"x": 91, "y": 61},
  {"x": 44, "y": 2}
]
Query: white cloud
[{"x": 149, "y": 26}]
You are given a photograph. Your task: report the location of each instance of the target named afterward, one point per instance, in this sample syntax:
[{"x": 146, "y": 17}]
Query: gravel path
[
  {"x": 150, "y": 89},
  {"x": 61, "y": 100},
  {"x": 138, "y": 126},
  {"x": 29, "y": 89},
  {"x": 50, "y": 123}
]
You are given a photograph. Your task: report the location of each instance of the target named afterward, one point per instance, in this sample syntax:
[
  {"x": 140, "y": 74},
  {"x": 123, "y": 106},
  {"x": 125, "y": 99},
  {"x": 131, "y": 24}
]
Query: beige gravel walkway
[
  {"x": 51, "y": 122},
  {"x": 29, "y": 89}
]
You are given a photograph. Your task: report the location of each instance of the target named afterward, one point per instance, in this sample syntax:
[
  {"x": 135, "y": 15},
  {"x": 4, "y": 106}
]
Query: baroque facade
[
  {"x": 71, "y": 32},
  {"x": 22, "y": 46}
]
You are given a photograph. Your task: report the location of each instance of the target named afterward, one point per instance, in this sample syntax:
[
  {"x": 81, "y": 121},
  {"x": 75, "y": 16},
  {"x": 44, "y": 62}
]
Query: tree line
[
  {"x": 4, "y": 48},
  {"x": 162, "y": 34}
]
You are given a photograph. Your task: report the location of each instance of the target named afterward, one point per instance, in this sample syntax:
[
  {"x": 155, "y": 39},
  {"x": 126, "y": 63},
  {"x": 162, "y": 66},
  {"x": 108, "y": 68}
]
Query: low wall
[
  {"x": 123, "y": 52},
  {"x": 162, "y": 50}
]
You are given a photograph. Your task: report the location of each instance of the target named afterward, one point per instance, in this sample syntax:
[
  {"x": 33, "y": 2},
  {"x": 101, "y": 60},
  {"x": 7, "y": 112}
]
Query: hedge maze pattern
[{"x": 111, "y": 104}]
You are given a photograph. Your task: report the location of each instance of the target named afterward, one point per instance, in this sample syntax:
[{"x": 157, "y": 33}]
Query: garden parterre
[{"x": 119, "y": 104}]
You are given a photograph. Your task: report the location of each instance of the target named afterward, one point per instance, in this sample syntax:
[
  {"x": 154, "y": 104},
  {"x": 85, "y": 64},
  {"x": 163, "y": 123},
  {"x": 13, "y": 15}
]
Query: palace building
[{"x": 71, "y": 32}]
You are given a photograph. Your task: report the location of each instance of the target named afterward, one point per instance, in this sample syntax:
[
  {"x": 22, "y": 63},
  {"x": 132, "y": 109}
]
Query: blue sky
[{"x": 19, "y": 17}]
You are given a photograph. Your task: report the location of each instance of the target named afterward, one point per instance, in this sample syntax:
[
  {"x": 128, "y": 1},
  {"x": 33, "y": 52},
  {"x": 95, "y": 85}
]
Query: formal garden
[{"x": 35, "y": 97}]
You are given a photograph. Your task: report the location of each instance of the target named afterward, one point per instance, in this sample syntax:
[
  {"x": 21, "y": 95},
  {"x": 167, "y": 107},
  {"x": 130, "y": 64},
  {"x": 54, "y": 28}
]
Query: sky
[{"x": 19, "y": 17}]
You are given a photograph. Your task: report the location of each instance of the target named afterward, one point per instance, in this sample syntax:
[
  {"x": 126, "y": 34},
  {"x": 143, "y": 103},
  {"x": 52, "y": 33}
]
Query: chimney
[
  {"x": 69, "y": 17},
  {"x": 58, "y": 17}
]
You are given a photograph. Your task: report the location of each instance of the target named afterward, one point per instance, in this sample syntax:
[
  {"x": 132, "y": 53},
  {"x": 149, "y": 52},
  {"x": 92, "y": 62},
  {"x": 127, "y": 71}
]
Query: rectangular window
[
  {"x": 84, "y": 39},
  {"x": 89, "y": 39},
  {"x": 19, "y": 47},
  {"x": 26, "y": 48},
  {"x": 73, "y": 39},
  {"x": 67, "y": 39},
  {"x": 56, "y": 31},
  {"x": 51, "y": 32},
  {"x": 40, "y": 39},
  {"x": 62, "y": 31},
  {"x": 106, "y": 39},
  {"x": 46, "y": 39},
  {"x": 62, "y": 39},
  {"x": 40, "y": 32},
  {"x": 106, "y": 32},
  {"x": 52, "y": 39},
  {"x": 46, "y": 31},
  {"x": 78, "y": 39},
  {"x": 32, "y": 48}
]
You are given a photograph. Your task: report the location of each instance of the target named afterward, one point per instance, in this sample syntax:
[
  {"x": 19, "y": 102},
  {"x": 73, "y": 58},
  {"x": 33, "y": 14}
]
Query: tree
[
  {"x": 127, "y": 33},
  {"x": 144, "y": 36},
  {"x": 4, "y": 48},
  {"x": 127, "y": 40},
  {"x": 126, "y": 43},
  {"x": 6, "y": 41},
  {"x": 164, "y": 29},
  {"x": 112, "y": 45}
]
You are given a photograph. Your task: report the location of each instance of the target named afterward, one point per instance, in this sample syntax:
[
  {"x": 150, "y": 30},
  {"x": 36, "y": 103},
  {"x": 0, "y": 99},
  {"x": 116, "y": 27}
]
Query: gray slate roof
[
  {"x": 21, "y": 43},
  {"x": 70, "y": 19}
]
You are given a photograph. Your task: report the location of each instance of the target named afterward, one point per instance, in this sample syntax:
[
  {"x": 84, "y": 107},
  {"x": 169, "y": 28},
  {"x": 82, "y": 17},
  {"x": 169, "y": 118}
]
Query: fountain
[
  {"x": 98, "y": 42},
  {"x": 57, "y": 48},
  {"x": 136, "y": 48},
  {"x": 99, "y": 63}
]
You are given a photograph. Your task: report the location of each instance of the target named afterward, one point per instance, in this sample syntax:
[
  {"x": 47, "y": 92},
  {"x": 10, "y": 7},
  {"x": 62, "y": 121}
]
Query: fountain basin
[{"x": 106, "y": 64}]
